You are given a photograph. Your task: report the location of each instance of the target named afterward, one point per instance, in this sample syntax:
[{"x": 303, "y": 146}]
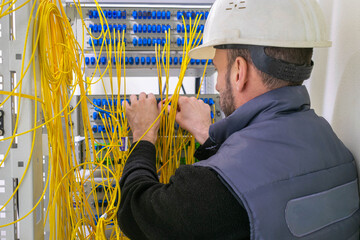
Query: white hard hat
[{"x": 275, "y": 23}]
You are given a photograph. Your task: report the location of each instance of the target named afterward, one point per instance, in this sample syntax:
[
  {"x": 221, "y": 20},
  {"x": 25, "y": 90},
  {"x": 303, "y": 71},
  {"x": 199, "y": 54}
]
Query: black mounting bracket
[{"x": 2, "y": 131}]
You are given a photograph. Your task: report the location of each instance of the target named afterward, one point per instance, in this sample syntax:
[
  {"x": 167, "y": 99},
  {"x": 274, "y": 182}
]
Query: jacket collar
[{"x": 264, "y": 107}]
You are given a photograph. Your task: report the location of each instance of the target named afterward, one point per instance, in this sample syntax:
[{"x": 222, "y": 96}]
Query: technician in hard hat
[{"x": 272, "y": 169}]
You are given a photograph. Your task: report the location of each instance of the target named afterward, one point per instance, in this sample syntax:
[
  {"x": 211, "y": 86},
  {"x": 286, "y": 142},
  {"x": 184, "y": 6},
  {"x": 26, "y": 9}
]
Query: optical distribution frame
[{"x": 143, "y": 24}]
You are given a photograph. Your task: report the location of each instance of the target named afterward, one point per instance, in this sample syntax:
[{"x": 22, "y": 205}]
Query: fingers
[
  {"x": 133, "y": 99},
  {"x": 142, "y": 96}
]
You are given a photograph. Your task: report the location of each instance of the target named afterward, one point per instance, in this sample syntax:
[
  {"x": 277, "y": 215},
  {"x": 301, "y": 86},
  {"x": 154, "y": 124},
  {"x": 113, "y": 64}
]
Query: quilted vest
[{"x": 287, "y": 168}]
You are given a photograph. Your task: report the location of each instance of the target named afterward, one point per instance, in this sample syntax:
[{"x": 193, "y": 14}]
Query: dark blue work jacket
[{"x": 287, "y": 167}]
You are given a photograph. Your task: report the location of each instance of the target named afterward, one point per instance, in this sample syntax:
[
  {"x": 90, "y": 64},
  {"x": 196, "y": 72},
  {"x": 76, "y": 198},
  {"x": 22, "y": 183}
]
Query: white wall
[{"x": 335, "y": 83}]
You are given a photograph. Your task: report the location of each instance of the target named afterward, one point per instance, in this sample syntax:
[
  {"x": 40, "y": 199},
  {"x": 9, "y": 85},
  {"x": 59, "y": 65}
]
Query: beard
[{"x": 226, "y": 97}]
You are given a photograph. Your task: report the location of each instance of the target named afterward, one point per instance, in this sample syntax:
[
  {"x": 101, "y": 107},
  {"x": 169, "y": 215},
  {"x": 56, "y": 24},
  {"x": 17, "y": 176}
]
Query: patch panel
[
  {"x": 100, "y": 106},
  {"x": 143, "y": 23},
  {"x": 141, "y": 59},
  {"x": 144, "y": 26}
]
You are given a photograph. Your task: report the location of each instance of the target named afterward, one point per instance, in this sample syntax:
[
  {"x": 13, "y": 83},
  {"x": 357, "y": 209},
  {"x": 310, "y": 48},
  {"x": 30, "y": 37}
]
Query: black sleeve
[
  {"x": 193, "y": 205},
  {"x": 206, "y": 150}
]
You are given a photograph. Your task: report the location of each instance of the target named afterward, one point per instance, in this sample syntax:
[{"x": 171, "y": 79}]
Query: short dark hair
[{"x": 292, "y": 55}]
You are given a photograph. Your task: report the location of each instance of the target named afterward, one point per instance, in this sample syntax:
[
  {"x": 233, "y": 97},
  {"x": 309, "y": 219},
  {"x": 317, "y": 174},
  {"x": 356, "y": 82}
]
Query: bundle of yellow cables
[{"x": 70, "y": 212}]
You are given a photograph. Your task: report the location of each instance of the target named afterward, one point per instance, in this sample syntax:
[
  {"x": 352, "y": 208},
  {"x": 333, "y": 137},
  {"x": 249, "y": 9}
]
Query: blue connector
[
  {"x": 202, "y": 28},
  {"x": 159, "y": 15},
  {"x": 163, "y": 15},
  {"x": 95, "y": 14},
  {"x": 119, "y": 28},
  {"x": 92, "y": 61},
  {"x": 168, "y": 14},
  {"x": 158, "y": 29},
  {"x": 94, "y": 128},
  {"x": 95, "y": 115},
  {"x": 140, "y": 42},
  {"x": 123, "y": 14},
  {"x": 153, "y": 60},
  {"x": 179, "y": 15},
  {"x": 192, "y": 61},
  {"x": 135, "y": 41},
  {"x": 142, "y": 60},
  {"x": 91, "y": 14},
  {"x": 105, "y": 103},
  {"x": 148, "y": 60},
  {"x": 176, "y": 60},
  {"x": 153, "y": 28},
  {"x": 144, "y": 28},
  {"x": 211, "y": 101},
  {"x": 139, "y": 14},
  {"x": 131, "y": 60},
  {"x": 198, "y": 62},
  {"x": 103, "y": 60},
  {"x": 137, "y": 60},
  {"x": 149, "y": 28},
  {"x": 87, "y": 60},
  {"x": 178, "y": 41},
  {"x": 95, "y": 28},
  {"x": 134, "y": 14},
  {"x": 118, "y": 14},
  {"x": 153, "y": 14},
  {"x": 135, "y": 28}
]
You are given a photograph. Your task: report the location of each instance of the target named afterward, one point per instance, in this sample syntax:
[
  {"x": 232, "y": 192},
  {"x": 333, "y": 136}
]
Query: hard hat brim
[
  {"x": 203, "y": 52},
  {"x": 207, "y": 50}
]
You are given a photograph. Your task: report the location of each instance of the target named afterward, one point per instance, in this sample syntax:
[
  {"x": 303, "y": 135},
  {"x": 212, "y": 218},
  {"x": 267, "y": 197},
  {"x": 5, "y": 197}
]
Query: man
[{"x": 272, "y": 169}]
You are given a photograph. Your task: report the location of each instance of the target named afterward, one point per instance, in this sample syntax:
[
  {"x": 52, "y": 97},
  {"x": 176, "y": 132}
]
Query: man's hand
[
  {"x": 141, "y": 114},
  {"x": 194, "y": 116}
]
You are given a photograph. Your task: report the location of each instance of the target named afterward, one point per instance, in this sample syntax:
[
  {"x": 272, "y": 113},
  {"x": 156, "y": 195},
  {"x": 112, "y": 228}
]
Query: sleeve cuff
[{"x": 206, "y": 150}]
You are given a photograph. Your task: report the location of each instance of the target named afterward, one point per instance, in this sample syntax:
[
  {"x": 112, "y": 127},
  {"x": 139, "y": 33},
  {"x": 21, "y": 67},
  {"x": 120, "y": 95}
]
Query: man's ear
[{"x": 241, "y": 71}]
